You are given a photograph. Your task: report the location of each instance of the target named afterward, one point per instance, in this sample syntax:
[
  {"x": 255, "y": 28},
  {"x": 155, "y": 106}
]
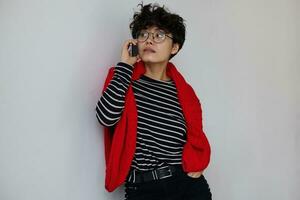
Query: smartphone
[{"x": 133, "y": 50}]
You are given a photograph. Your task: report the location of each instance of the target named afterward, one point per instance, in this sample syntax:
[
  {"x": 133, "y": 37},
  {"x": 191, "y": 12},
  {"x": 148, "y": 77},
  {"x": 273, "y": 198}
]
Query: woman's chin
[{"x": 149, "y": 59}]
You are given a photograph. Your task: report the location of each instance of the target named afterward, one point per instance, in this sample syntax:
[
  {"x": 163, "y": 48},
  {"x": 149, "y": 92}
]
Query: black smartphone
[{"x": 133, "y": 50}]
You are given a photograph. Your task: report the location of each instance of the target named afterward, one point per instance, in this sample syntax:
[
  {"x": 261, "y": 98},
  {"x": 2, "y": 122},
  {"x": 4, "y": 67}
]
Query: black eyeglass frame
[{"x": 153, "y": 38}]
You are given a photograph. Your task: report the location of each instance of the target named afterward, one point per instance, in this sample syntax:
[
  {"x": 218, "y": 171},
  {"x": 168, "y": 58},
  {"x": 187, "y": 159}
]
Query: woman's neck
[{"x": 157, "y": 71}]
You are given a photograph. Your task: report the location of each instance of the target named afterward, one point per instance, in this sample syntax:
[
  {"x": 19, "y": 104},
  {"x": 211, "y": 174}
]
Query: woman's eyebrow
[{"x": 156, "y": 28}]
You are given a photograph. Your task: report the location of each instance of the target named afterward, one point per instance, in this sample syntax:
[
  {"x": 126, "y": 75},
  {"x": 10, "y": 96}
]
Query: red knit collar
[{"x": 139, "y": 70}]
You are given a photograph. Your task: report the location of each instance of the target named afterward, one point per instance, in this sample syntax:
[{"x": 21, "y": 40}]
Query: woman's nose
[
  {"x": 149, "y": 41},
  {"x": 150, "y": 38}
]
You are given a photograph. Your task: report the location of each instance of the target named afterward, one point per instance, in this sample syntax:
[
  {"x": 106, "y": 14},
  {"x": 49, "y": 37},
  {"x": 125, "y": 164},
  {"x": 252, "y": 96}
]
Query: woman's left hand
[{"x": 195, "y": 174}]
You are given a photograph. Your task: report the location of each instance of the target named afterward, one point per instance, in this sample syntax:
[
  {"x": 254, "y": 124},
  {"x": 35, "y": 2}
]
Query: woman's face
[{"x": 152, "y": 52}]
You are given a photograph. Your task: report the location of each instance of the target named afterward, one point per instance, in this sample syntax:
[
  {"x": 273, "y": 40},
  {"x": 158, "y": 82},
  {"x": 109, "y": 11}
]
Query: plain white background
[{"x": 240, "y": 56}]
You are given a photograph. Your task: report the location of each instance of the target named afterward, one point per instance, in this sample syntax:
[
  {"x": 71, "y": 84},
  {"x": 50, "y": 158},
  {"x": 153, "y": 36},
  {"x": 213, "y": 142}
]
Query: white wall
[{"x": 241, "y": 57}]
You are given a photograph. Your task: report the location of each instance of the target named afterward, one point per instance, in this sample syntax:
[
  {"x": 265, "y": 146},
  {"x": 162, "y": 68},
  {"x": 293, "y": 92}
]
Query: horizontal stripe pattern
[
  {"x": 111, "y": 104},
  {"x": 161, "y": 128}
]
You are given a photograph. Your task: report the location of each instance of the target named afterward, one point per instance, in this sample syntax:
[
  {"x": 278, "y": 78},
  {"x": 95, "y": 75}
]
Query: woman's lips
[{"x": 149, "y": 50}]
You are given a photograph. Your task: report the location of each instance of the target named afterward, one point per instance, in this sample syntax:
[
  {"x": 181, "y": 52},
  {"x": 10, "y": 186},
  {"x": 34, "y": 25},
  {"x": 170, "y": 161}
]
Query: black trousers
[{"x": 180, "y": 186}]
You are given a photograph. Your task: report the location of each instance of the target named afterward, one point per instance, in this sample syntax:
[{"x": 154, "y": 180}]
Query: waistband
[{"x": 159, "y": 173}]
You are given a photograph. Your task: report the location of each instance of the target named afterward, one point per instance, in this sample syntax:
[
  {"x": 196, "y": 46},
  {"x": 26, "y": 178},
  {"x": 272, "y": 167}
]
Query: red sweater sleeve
[{"x": 196, "y": 152}]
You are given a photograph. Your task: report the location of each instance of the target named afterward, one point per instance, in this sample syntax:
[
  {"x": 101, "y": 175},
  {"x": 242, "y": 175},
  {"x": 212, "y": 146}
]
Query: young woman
[{"x": 152, "y": 118}]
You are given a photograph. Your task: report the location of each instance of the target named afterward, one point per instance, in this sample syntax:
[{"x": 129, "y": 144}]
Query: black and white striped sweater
[{"x": 161, "y": 129}]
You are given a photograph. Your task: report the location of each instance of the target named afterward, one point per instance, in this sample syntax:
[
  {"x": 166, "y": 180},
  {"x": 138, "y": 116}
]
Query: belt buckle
[{"x": 165, "y": 176}]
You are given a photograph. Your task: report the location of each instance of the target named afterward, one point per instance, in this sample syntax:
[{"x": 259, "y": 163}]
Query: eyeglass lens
[{"x": 158, "y": 36}]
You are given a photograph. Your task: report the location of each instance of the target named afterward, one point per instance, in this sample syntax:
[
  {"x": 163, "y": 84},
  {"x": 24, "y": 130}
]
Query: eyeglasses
[{"x": 157, "y": 36}]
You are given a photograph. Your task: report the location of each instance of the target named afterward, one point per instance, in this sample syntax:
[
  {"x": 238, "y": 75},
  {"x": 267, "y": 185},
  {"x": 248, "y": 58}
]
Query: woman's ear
[{"x": 175, "y": 48}]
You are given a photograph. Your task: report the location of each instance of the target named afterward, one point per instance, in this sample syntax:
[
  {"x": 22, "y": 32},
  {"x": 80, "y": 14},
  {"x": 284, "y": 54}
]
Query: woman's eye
[
  {"x": 160, "y": 35},
  {"x": 143, "y": 34}
]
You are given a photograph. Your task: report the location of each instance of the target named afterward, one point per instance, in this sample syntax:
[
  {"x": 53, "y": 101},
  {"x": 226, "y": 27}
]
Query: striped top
[{"x": 161, "y": 128}]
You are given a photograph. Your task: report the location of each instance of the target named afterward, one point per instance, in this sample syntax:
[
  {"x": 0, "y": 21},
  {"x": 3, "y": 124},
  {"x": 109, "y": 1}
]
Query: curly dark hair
[{"x": 155, "y": 15}]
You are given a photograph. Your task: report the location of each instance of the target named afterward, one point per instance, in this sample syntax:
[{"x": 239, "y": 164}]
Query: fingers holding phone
[{"x": 130, "y": 52}]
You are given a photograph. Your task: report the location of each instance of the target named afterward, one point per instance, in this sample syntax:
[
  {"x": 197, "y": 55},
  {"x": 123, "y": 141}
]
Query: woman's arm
[{"x": 110, "y": 105}]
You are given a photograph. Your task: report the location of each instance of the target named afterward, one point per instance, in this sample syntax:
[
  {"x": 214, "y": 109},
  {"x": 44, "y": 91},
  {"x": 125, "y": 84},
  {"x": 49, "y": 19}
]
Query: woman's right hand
[{"x": 125, "y": 56}]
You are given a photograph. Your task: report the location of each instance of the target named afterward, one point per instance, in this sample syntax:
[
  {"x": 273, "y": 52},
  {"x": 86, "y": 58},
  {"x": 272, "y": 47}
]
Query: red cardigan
[{"x": 120, "y": 142}]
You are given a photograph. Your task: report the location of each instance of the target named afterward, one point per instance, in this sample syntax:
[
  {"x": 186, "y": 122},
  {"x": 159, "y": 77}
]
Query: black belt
[{"x": 156, "y": 174}]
